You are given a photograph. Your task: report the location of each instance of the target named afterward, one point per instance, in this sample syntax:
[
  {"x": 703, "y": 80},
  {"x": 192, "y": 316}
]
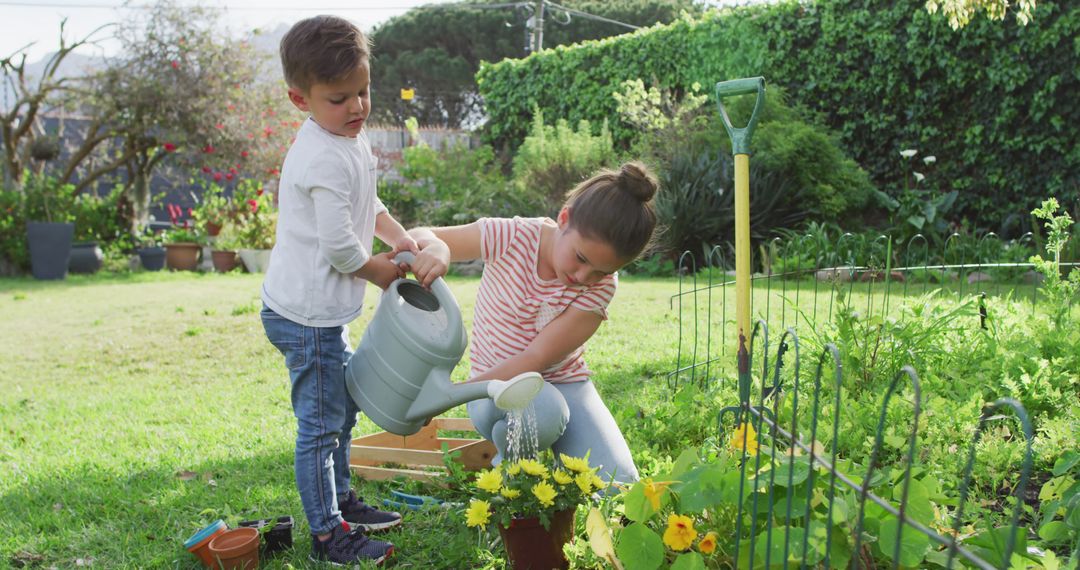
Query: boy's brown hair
[
  {"x": 617, "y": 207},
  {"x": 322, "y": 49}
]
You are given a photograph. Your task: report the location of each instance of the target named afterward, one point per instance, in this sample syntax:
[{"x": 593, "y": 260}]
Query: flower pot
[
  {"x": 199, "y": 543},
  {"x": 224, "y": 261},
  {"x": 213, "y": 229},
  {"x": 255, "y": 260},
  {"x": 277, "y": 538},
  {"x": 530, "y": 546},
  {"x": 152, "y": 258},
  {"x": 86, "y": 257},
  {"x": 182, "y": 256},
  {"x": 50, "y": 248},
  {"x": 236, "y": 549}
]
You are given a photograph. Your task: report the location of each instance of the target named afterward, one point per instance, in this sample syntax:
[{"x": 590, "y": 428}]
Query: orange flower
[
  {"x": 708, "y": 543},
  {"x": 680, "y": 533},
  {"x": 654, "y": 490}
]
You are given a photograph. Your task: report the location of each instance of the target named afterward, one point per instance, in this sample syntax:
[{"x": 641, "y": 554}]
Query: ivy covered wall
[{"x": 997, "y": 103}]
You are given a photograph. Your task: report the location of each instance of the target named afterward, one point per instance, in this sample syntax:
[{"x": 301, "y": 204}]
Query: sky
[{"x": 24, "y": 22}]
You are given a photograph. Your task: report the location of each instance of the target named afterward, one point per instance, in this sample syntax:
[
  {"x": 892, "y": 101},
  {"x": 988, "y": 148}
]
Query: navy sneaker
[
  {"x": 358, "y": 513},
  {"x": 348, "y": 547}
]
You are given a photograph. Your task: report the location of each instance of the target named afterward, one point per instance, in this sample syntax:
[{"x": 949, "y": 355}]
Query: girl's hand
[
  {"x": 380, "y": 270},
  {"x": 432, "y": 262}
]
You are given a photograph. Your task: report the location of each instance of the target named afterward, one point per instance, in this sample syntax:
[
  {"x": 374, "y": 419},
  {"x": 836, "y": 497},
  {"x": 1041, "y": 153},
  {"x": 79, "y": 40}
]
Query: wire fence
[{"x": 801, "y": 508}]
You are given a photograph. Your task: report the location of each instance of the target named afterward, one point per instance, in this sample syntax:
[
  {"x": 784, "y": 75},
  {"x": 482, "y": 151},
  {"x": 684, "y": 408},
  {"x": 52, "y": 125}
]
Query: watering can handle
[
  {"x": 740, "y": 137},
  {"x": 438, "y": 286}
]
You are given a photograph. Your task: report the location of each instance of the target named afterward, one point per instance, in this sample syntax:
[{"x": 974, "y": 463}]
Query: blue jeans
[{"x": 325, "y": 414}]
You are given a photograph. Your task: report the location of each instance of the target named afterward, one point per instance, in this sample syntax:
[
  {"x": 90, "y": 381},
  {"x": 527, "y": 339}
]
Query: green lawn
[{"x": 136, "y": 408}]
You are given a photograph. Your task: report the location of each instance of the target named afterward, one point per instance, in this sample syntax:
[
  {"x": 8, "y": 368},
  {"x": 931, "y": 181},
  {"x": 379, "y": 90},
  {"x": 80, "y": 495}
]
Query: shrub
[
  {"x": 554, "y": 159},
  {"x": 696, "y": 204},
  {"x": 449, "y": 186}
]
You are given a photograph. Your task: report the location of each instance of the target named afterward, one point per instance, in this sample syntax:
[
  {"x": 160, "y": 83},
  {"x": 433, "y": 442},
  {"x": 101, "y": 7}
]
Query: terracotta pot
[
  {"x": 213, "y": 229},
  {"x": 236, "y": 549},
  {"x": 199, "y": 543},
  {"x": 530, "y": 546},
  {"x": 224, "y": 261},
  {"x": 182, "y": 256}
]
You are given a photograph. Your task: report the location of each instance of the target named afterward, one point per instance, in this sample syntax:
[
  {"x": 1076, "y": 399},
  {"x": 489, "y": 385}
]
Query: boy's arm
[
  {"x": 393, "y": 234},
  {"x": 440, "y": 246},
  {"x": 560, "y": 337}
]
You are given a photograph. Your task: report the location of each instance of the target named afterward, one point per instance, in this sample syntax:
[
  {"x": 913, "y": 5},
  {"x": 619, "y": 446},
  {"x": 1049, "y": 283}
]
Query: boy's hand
[
  {"x": 380, "y": 270},
  {"x": 432, "y": 262}
]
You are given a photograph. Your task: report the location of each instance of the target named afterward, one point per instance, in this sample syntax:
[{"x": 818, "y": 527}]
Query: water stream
[{"x": 521, "y": 434}]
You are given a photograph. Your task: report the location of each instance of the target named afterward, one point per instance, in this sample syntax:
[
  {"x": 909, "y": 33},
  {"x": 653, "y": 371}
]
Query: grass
[{"x": 135, "y": 408}]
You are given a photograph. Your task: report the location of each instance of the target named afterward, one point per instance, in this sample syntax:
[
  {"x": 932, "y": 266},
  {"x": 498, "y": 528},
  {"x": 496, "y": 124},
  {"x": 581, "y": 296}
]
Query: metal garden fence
[{"x": 774, "y": 524}]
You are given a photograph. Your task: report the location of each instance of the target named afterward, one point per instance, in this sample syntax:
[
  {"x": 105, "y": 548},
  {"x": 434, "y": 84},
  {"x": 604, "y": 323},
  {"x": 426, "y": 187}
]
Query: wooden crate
[{"x": 418, "y": 456}]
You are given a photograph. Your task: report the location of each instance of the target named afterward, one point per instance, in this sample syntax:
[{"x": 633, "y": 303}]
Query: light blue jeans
[
  {"x": 572, "y": 419},
  {"x": 325, "y": 414}
]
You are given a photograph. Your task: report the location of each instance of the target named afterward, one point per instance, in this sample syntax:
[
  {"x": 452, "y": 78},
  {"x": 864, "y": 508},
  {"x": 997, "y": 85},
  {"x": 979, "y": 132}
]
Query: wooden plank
[
  {"x": 459, "y": 424},
  {"x": 456, "y": 442},
  {"x": 477, "y": 455},
  {"x": 383, "y": 473},
  {"x": 381, "y": 439},
  {"x": 396, "y": 455}
]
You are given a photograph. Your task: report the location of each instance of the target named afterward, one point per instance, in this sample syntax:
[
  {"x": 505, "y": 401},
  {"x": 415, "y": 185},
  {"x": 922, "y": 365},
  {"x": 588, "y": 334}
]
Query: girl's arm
[
  {"x": 440, "y": 246},
  {"x": 559, "y": 338}
]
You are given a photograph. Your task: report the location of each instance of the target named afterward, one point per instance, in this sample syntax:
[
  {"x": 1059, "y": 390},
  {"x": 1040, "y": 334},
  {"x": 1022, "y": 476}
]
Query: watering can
[{"x": 399, "y": 376}]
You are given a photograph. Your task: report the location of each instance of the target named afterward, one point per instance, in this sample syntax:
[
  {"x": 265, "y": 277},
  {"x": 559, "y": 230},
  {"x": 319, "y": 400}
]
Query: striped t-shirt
[{"x": 514, "y": 304}]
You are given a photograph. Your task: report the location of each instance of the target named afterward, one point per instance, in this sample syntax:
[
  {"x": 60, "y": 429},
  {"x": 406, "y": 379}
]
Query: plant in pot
[
  {"x": 257, "y": 224},
  {"x": 151, "y": 252},
  {"x": 182, "y": 248},
  {"x": 213, "y": 210},
  {"x": 47, "y": 207},
  {"x": 225, "y": 248},
  {"x": 532, "y": 503}
]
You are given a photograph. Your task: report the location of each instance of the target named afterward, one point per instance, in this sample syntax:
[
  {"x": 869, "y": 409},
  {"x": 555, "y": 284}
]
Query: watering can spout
[{"x": 439, "y": 394}]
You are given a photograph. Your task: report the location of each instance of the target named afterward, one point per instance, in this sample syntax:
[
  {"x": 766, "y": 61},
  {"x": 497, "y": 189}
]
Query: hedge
[{"x": 995, "y": 102}]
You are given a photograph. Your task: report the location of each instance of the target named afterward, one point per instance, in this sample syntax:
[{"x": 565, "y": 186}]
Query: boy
[{"x": 328, "y": 214}]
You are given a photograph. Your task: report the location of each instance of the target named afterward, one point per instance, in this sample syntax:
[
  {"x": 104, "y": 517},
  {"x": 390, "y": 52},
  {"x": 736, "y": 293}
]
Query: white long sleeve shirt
[{"x": 326, "y": 223}]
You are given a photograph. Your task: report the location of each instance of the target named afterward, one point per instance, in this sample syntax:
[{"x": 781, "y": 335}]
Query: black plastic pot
[
  {"x": 86, "y": 257},
  {"x": 50, "y": 248},
  {"x": 152, "y": 258},
  {"x": 277, "y": 538}
]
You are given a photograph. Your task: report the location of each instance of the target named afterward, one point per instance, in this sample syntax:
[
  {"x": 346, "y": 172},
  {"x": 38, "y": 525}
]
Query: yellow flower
[
  {"x": 575, "y": 464},
  {"x": 680, "y": 533},
  {"x": 513, "y": 469},
  {"x": 654, "y": 490},
  {"x": 533, "y": 467},
  {"x": 490, "y": 481},
  {"x": 510, "y": 493},
  {"x": 562, "y": 477},
  {"x": 584, "y": 482},
  {"x": 478, "y": 513},
  {"x": 707, "y": 544},
  {"x": 545, "y": 493},
  {"x": 745, "y": 433},
  {"x": 598, "y": 482}
]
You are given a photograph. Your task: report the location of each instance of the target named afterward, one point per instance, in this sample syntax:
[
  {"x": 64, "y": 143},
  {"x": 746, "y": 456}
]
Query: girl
[{"x": 544, "y": 292}]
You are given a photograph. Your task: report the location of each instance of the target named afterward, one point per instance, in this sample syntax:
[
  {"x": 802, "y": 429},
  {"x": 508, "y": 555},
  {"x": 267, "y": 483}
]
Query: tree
[
  {"x": 959, "y": 12},
  {"x": 183, "y": 86},
  {"x": 20, "y": 124},
  {"x": 437, "y": 49}
]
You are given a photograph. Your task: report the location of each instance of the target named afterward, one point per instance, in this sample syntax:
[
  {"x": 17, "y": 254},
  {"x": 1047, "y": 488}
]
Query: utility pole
[{"x": 535, "y": 25}]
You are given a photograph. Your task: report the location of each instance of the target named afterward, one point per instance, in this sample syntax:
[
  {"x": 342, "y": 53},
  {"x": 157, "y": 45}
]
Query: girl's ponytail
[{"x": 617, "y": 208}]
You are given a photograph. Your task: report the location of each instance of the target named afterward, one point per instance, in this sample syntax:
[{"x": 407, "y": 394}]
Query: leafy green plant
[
  {"x": 552, "y": 160},
  {"x": 917, "y": 209},
  {"x": 181, "y": 234},
  {"x": 697, "y": 203},
  {"x": 1059, "y": 292},
  {"x": 453, "y": 185},
  {"x": 1059, "y": 510}
]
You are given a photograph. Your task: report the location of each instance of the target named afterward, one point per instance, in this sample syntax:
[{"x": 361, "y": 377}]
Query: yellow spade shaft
[{"x": 742, "y": 248}]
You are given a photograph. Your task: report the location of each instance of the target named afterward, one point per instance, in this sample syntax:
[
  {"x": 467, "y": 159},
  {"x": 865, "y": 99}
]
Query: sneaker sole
[
  {"x": 377, "y": 561},
  {"x": 376, "y": 526}
]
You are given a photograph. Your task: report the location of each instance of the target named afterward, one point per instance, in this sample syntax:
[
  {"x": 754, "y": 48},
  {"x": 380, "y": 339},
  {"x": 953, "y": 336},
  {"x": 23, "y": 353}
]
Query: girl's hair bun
[{"x": 636, "y": 179}]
